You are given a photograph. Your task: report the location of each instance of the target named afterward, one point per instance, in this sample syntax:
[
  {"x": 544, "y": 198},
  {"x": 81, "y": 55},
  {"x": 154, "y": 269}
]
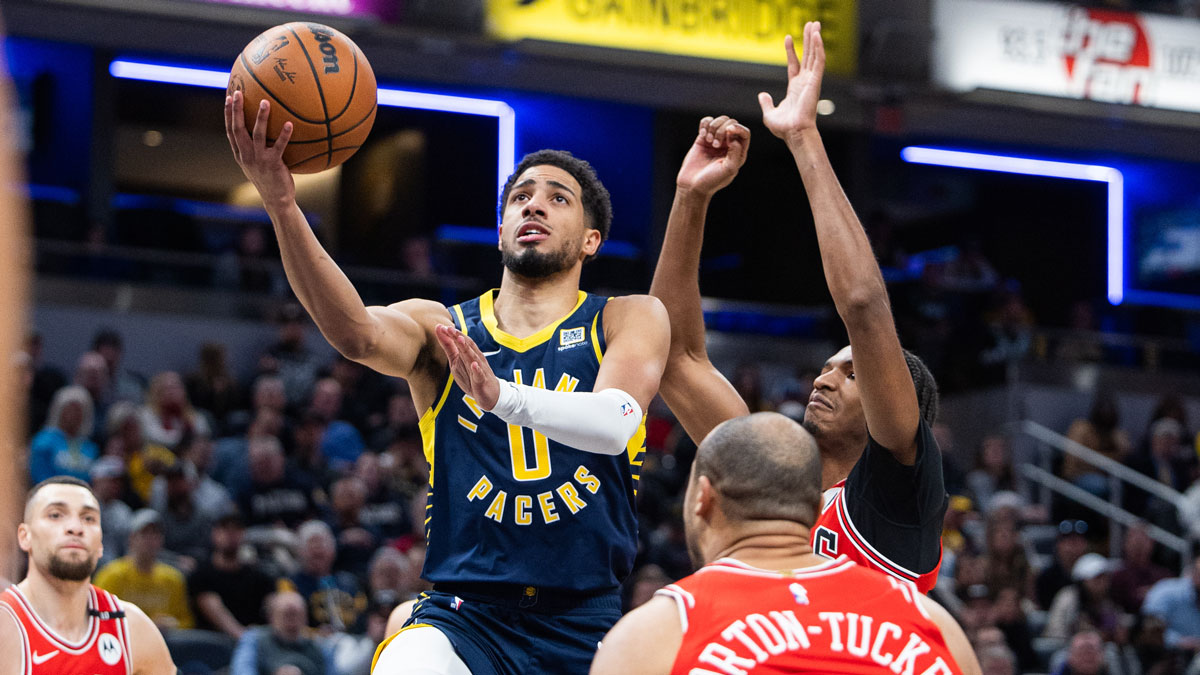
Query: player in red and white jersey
[
  {"x": 872, "y": 404},
  {"x": 55, "y": 621},
  {"x": 765, "y": 602}
]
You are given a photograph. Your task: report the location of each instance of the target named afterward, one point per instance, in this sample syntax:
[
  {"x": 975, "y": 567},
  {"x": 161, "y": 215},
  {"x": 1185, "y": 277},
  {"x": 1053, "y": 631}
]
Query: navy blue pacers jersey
[{"x": 508, "y": 505}]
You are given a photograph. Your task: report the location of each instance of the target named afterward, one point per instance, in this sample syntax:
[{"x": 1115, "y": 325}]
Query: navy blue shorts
[{"x": 519, "y": 630}]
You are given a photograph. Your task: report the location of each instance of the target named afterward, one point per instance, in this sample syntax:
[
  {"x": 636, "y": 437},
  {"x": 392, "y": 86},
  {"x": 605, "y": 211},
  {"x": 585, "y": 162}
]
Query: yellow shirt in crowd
[{"x": 161, "y": 594}]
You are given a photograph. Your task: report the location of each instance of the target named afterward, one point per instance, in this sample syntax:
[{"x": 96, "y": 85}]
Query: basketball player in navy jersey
[
  {"x": 531, "y": 402},
  {"x": 55, "y": 620},
  {"x": 872, "y": 405}
]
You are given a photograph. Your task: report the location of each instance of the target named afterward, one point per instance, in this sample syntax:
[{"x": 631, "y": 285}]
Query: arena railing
[{"x": 1049, "y": 442}]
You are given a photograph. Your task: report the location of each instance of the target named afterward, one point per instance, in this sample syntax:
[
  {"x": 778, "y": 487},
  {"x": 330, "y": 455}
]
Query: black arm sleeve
[{"x": 898, "y": 508}]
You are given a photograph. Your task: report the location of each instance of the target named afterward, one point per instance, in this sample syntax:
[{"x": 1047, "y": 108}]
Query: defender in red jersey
[
  {"x": 872, "y": 405},
  {"x": 55, "y": 621},
  {"x": 766, "y": 603}
]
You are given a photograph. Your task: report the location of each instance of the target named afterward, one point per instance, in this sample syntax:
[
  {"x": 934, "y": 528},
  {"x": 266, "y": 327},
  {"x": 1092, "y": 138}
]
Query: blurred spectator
[
  {"x": 1007, "y": 566},
  {"x": 144, "y": 460},
  {"x": 124, "y": 384},
  {"x": 282, "y": 647},
  {"x": 91, "y": 373},
  {"x": 210, "y": 497},
  {"x": 1168, "y": 460},
  {"x": 1010, "y": 619},
  {"x": 954, "y": 473},
  {"x": 644, "y": 583},
  {"x": 1174, "y": 601},
  {"x": 391, "y": 578},
  {"x": 1081, "y": 346},
  {"x": 62, "y": 447},
  {"x": 1101, "y": 432},
  {"x": 1085, "y": 655},
  {"x": 970, "y": 271},
  {"x": 1085, "y": 603},
  {"x": 168, "y": 417},
  {"x": 1137, "y": 572},
  {"x": 230, "y": 465},
  {"x": 356, "y": 541},
  {"x": 400, "y": 422},
  {"x": 1010, "y": 333},
  {"x": 211, "y": 386},
  {"x": 1070, "y": 545},
  {"x": 341, "y": 443},
  {"x": 364, "y": 393},
  {"x": 275, "y": 494},
  {"x": 747, "y": 379},
  {"x": 108, "y": 484},
  {"x": 335, "y": 600},
  {"x": 289, "y": 358},
  {"x": 46, "y": 380},
  {"x": 993, "y": 470},
  {"x": 997, "y": 660},
  {"x": 307, "y": 454},
  {"x": 227, "y": 591},
  {"x": 185, "y": 525},
  {"x": 384, "y": 509},
  {"x": 156, "y": 587},
  {"x": 250, "y": 266}
]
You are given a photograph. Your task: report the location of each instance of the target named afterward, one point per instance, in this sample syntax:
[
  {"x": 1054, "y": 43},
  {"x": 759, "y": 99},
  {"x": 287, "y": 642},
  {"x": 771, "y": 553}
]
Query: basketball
[{"x": 315, "y": 77}]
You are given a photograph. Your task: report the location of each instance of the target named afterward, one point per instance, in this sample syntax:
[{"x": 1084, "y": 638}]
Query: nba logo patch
[
  {"x": 799, "y": 593},
  {"x": 456, "y": 603},
  {"x": 570, "y": 336}
]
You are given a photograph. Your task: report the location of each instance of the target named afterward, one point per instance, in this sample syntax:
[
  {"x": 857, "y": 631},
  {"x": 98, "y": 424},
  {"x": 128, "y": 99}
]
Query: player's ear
[
  {"x": 591, "y": 241},
  {"x": 499, "y": 236},
  {"x": 23, "y": 537},
  {"x": 705, "y": 495}
]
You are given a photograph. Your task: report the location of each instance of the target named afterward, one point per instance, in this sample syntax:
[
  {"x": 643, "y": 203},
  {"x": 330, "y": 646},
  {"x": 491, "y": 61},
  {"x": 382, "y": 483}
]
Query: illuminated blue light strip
[
  {"x": 1037, "y": 167},
  {"x": 506, "y": 117}
]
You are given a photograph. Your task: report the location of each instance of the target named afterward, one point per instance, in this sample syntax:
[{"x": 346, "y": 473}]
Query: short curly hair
[{"x": 597, "y": 206}]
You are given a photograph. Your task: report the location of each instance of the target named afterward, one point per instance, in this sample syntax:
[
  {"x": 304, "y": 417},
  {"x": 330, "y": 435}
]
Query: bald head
[{"x": 765, "y": 467}]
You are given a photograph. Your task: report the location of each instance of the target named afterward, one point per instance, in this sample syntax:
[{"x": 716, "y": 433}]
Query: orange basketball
[{"x": 318, "y": 79}]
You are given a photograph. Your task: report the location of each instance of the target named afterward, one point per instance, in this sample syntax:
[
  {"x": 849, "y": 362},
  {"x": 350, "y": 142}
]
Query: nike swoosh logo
[
  {"x": 39, "y": 659},
  {"x": 491, "y": 353}
]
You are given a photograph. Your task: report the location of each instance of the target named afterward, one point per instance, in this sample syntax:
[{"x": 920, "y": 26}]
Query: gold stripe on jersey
[
  {"x": 462, "y": 320},
  {"x": 428, "y": 425},
  {"x": 595, "y": 339},
  {"x": 487, "y": 314}
]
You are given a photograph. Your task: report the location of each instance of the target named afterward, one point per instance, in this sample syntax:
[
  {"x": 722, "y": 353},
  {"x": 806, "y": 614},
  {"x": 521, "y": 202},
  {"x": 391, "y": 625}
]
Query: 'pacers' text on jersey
[{"x": 508, "y": 505}]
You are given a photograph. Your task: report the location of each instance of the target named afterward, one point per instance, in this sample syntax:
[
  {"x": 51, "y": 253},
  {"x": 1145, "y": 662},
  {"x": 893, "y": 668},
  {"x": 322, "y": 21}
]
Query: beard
[
  {"x": 71, "y": 571},
  {"x": 534, "y": 264}
]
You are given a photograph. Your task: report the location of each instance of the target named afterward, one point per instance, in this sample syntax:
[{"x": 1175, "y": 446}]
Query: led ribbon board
[
  {"x": 506, "y": 118},
  {"x": 1038, "y": 167}
]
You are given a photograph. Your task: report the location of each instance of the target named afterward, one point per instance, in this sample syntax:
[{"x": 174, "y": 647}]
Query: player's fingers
[
  {"x": 229, "y": 126},
  {"x": 260, "y": 124},
  {"x": 285, "y": 135},
  {"x": 818, "y": 49},
  {"x": 789, "y": 46},
  {"x": 765, "y": 102}
]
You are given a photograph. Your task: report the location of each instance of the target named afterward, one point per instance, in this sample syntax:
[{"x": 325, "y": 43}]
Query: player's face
[
  {"x": 544, "y": 229},
  {"x": 61, "y": 532},
  {"x": 834, "y": 409}
]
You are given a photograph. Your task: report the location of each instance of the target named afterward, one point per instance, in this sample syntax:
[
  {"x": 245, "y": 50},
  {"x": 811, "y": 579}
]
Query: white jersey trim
[
  {"x": 26, "y": 666},
  {"x": 683, "y": 602},
  {"x": 859, "y": 542},
  {"x": 735, "y": 566},
  {"x": 75, "y": 649}
]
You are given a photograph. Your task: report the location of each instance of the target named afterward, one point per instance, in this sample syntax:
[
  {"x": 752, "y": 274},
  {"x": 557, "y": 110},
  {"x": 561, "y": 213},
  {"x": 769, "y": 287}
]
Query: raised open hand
[{"x": 797, "y": 111}]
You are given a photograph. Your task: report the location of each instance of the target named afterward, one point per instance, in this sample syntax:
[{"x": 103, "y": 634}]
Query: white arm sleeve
[{"x": 600, "y": 421}]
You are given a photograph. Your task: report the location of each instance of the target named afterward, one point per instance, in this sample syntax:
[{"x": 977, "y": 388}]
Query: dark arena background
[{"x": 1028, "y": 172}]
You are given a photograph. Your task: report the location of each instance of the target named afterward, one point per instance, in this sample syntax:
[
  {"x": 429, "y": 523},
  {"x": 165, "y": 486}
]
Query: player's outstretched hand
[
  {"x": 797, "y": 112},
  {"x": 715, "y": 157},
  {"x": 469, "y": 366},
  {"x": 263, "y": 165}
]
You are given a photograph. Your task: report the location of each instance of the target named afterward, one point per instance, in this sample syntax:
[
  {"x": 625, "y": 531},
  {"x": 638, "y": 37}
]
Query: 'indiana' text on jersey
[{"x": 508, "y": 505}]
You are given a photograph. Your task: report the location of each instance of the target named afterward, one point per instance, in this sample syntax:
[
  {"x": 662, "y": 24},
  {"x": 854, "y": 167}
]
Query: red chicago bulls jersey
[
  {"x": 836, "y": 617},
  {"x": 104, "y": 650},
  {"x": 834, "y": 534}
]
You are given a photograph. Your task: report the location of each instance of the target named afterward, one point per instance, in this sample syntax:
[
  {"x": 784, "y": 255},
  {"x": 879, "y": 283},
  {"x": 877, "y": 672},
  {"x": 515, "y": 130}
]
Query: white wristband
[{"x": 600, "y": 421}]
